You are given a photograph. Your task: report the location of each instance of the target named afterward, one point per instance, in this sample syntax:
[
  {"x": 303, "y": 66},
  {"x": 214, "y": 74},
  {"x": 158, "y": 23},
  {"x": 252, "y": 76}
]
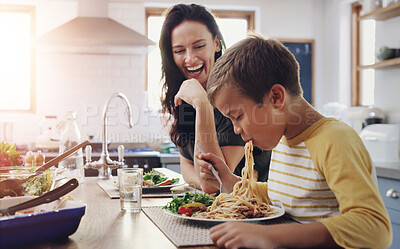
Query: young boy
[{"x": 320, "y": 171}]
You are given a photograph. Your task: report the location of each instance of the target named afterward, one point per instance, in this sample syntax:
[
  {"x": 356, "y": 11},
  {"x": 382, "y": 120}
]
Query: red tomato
[{"x": 184, "y": 210}]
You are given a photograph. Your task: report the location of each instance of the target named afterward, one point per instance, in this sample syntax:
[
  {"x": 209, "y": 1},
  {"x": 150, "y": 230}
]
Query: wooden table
[{"x": 105, "y": 226}]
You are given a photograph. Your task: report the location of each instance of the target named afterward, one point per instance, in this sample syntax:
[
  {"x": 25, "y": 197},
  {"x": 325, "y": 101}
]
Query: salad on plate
[
  {"x": 189, "y": 203},
  {"x": 155, "y": 179}
]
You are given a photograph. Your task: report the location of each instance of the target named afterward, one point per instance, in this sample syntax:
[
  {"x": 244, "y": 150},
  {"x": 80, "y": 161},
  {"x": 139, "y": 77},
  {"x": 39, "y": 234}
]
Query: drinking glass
[{"x": 130, "y": 189}]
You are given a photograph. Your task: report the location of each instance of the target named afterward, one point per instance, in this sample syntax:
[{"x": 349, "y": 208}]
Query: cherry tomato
[{"x": 185, "y": 211}]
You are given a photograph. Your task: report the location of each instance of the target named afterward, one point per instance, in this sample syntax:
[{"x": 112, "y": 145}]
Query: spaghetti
[{"x": 246, "y": 199}]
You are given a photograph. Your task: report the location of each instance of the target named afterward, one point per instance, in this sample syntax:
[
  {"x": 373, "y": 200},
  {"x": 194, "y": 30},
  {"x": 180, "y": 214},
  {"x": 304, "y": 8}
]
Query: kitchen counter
[
  {"x": 105, "y": 226},
  {"x": 167, "y": 158},
  {"x": 144, "y": 159},
  {"x": 388, "y": 172},
  {"x": 115, "y": 154},
  {"x": 164, "y": 157}
]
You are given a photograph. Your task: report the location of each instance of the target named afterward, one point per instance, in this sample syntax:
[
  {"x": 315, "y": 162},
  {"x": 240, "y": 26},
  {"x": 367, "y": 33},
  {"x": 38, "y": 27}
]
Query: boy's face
[{"x": 262, "y": 124}]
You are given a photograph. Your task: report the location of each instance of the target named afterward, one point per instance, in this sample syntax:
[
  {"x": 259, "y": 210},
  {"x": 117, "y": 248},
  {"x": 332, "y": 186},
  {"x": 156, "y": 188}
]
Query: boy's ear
[{"x": 277, "y": 96}]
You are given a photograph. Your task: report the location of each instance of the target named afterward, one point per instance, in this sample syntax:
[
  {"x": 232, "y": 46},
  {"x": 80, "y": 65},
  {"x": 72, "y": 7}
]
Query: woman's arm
[
  {"x": 206, "y": 137},
  {"x": 194, "y": 94},
  {"x": 188, "y": 173}
]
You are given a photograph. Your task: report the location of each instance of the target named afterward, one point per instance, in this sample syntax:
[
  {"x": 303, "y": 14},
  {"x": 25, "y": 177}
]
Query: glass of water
[{"x": 130, "y": 189}]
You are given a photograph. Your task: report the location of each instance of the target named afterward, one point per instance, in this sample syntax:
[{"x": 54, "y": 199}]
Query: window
[
  {"x": 233, "y": 25},
  {"x": 17, "y": 73},
  {"x": 363, "y": 53}
]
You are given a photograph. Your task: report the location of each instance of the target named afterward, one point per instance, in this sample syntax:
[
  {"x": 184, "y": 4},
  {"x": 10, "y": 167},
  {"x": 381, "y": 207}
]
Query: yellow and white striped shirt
[
  {"x": 296, "y": 184},
  {"x": 325, "y": 174}
]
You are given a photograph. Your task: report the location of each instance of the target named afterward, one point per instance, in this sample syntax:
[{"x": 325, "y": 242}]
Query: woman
[{"x": 190, "y": 43}]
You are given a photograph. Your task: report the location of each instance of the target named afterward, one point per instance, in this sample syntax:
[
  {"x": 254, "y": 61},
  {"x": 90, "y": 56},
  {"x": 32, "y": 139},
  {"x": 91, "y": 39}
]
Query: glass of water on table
[{"x": 130, "y": 189}]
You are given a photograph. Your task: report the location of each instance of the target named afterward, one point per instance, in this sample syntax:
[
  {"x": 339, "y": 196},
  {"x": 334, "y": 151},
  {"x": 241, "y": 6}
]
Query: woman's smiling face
[{"x": 194, "y": 48}]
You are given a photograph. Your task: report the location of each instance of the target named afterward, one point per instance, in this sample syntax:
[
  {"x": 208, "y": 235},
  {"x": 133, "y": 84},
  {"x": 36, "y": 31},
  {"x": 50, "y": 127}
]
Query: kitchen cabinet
[
  {"x": 383, "y": 14},
  {"x": 171, "y": 161},
  {"x": 390, "y": 190}
]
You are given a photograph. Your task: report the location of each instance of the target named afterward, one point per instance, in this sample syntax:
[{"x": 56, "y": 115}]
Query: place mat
[
  {"x": 184, "y": 232},
  {"x": 113, "y": 193}
]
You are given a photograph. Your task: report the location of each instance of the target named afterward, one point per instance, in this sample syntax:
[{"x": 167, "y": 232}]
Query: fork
[{"x": 212, "y": 170}]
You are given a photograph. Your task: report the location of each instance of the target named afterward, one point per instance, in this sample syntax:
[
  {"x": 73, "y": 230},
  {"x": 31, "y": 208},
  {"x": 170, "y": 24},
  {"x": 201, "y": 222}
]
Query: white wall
[
  {"x": 84, "y": 82},
  {"x": 387, "y": 82}
]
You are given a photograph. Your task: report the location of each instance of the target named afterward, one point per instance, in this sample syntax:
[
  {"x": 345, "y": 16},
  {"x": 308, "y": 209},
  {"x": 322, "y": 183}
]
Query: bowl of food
[
  {"x": 14, "y": 166},
  {"x": 39, "y": 182},
  {"x": 54, "y": 220}
]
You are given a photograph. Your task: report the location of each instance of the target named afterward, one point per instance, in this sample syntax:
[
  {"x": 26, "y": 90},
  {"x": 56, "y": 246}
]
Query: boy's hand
[
  {"x": 206, "y": 161},
  {"x": 208, "y": 182},
  {"x": 290, "y": 235},
  {"x": 241, "y": 235}
]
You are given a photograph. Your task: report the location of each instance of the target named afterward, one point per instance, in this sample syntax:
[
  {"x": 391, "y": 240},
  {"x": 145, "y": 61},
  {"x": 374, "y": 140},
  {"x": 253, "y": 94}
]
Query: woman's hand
[
  {"x": 207, "y": 179},
  {"x": 192, "y": 93},
  {"x": 241, "y": 235}
]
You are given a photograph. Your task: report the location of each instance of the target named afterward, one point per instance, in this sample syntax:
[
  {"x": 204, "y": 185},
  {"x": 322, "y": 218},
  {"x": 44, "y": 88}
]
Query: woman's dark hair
[{"x": 182, "y": 129}]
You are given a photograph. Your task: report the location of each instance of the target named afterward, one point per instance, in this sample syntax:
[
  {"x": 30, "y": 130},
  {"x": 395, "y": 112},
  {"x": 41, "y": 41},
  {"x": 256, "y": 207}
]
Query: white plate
[
  {"x": 115, "y": 183},
  {"x": 165, "y": 186},
  {"x": 278, "y": 212}
]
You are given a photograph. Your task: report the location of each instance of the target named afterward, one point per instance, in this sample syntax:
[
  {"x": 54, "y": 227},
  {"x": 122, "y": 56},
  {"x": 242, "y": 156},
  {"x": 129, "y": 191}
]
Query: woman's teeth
[{"x": 195, "y": 69}]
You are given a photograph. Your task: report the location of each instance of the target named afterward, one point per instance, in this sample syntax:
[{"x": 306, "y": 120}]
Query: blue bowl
[{"x": 25, "y": 229}]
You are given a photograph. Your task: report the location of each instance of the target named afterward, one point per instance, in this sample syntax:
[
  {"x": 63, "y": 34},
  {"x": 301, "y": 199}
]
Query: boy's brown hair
[{"x": 252, "y": 66}]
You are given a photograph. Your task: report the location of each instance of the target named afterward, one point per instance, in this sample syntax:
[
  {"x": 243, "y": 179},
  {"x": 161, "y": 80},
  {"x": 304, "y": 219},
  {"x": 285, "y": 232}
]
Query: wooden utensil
[
  {"x": 46, "y": 198},
  {"x": 13, "y": 187}
]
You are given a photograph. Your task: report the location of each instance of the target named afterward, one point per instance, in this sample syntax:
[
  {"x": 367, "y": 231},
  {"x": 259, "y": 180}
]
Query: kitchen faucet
[{"x": 105, "y": 163}]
